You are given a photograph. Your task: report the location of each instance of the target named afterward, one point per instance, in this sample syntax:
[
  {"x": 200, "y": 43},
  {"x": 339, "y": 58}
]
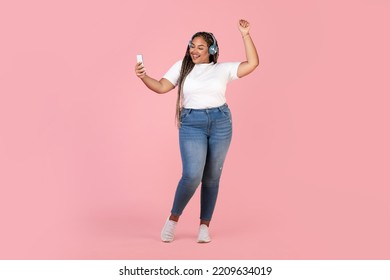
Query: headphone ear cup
[
  {"x": 189, "y": 43},
  {"x": 213, "y": 49}
]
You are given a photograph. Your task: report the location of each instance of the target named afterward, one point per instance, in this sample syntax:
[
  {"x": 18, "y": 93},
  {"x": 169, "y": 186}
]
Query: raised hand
[{"x": 244, "y": 27}]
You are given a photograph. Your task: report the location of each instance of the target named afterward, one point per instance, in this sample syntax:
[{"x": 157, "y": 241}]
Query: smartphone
[{"x": 140, "y": 59}]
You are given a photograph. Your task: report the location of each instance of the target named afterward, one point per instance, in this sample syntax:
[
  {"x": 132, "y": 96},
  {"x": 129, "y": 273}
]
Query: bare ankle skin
[{"x": 174, "y": 218}]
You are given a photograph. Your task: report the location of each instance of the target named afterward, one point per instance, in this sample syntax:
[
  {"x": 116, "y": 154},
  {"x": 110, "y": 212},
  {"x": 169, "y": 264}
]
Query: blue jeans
[{"x": 204, "y": 138}]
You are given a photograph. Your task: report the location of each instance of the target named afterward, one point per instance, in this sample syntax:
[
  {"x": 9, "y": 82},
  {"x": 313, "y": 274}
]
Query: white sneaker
[
  {"x": 204, "y": 236},
  {"x": 168, "y": 231}
]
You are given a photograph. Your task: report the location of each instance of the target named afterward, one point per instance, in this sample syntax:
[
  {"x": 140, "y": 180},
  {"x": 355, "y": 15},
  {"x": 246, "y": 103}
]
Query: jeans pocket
[
  {"x": 184, "y": 113},
  {"x": 226, "y": 112}
]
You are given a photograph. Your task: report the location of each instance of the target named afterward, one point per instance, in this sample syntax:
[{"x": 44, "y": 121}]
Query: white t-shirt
[{"x": 205, "y": 85}]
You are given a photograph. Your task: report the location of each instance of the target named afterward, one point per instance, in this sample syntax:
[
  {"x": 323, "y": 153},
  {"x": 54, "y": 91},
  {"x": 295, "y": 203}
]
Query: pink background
[{"x": 89, "y": 157}]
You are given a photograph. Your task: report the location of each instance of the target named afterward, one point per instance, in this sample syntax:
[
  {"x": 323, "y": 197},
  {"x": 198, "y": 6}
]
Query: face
[{"x": 199, "y": 51}]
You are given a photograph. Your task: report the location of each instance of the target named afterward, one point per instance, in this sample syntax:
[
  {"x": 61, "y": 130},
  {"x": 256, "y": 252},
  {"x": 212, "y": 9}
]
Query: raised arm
[
  {"x": 252, "y": 59},
  {"x": 161, "y": 86}
]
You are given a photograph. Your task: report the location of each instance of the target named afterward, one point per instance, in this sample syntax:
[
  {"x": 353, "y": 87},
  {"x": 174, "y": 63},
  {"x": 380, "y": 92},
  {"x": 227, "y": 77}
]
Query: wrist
[{"x": 245, "y": 35}]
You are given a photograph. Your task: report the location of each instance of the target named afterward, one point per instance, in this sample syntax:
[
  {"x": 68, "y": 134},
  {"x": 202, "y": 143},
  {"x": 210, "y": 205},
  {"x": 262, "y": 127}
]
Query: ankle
[{"x": 174, "y": 218}]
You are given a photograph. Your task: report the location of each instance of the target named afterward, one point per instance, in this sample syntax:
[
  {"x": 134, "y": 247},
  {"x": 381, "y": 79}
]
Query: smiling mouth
[{"x": 194, "y": 57}]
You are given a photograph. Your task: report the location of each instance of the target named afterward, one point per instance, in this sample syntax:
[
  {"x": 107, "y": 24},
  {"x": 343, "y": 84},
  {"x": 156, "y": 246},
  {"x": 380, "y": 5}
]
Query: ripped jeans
[{"x": 204, "y": 138}]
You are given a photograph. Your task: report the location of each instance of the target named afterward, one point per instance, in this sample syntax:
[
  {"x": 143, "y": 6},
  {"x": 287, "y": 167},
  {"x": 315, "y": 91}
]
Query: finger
[
  {"x": 140, "y": 71},
  {"x": 244, "y": 23},
  {"x": 139, "y": 67}
]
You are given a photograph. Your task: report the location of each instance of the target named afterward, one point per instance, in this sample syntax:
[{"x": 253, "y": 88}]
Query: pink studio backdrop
[{"x": 89, "y": 158}]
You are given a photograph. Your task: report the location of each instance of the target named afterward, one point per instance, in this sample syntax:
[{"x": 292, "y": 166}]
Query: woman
[{"x": 204, "y": 120}]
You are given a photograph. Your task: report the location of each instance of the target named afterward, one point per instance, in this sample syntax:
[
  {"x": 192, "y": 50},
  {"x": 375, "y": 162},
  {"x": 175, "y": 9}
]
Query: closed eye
[{"x": 201, "y": 47}]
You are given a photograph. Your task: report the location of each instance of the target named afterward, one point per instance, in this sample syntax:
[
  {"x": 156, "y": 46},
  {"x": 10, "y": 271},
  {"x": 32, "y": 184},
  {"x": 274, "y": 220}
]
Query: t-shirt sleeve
[
  {"x": 232, "y": 68},
  {"x": 173, "y": 73}
]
